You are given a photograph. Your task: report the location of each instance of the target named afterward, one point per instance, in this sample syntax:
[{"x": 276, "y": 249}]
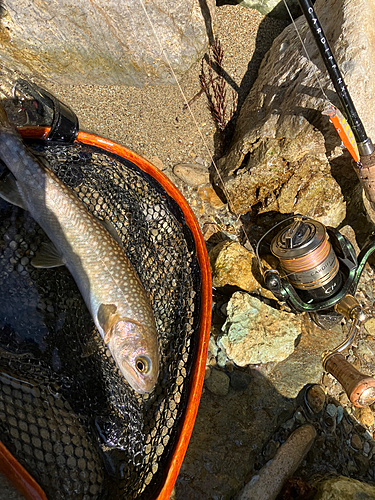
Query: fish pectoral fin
[
  {"x": 48, "y": 256},
  {"x": 9, "y": 191},
  {"x": 107, "y": 317},
  {"x": 107, "y": 224}
]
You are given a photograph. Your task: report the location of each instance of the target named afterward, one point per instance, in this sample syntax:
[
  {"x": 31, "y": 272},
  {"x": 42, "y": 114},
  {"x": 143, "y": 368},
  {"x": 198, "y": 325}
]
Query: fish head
[{"x": 135, "y": 349}]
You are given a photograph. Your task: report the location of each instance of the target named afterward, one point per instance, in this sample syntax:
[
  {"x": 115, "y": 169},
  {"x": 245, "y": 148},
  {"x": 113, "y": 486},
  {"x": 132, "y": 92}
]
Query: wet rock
[
  {"x": 115, "y": 48},
  {"x": 193, "y": 174},
  {"x": 256, "y": 333},
  {"x": 277, "y": 159},
  {"x": 340, "y": 414},
  {"x": 362, "y": 463},
  {"x": 343, "y": 488},
  {"x": 267, "y": 484},
  {"x": 232, "y": 264},
  {"x": 356, "y": 442},
  {"x": 240, "y": 381},
  {"x": 331, "y": 410},
  {"x": 218, "y": 383},
  {"x": 315, "y": 398}
]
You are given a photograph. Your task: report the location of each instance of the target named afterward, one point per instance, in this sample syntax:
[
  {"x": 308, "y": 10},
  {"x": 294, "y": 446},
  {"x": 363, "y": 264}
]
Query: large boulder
[
  {"x": 283, "y": 147},
  {"x": 101, "y": 42}
]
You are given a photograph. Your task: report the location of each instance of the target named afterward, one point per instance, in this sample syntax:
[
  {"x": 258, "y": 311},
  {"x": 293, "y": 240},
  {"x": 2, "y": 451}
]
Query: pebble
[
  {"x": 364, "y": 416},
  {"x": 240, "y": 381},
  {"x": 356, "y": 442},
  {"x": 299, "y": 417},
  {"x": 218, "y": 383},
  {"x": 343, "y": 398},
  {"x": 315, "y": 398},
  {"x": 331, "y": 410},
  {"x": 366, "y": 447},
  {"x": 157, "y": 163},
  {"x": 193, "y": 174},
  {"x": 340, "y": 414},
  {"x": 24, "y": 261},
  {"x": 207, "y": 193}
]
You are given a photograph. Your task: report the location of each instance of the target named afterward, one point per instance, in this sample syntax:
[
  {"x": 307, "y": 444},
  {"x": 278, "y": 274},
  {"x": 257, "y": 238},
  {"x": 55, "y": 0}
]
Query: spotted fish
[{"x": 107, "y": 281}]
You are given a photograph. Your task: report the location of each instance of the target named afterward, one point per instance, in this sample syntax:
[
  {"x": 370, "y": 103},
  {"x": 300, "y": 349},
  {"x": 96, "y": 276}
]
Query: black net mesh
[{"x": 65, "y": 411}]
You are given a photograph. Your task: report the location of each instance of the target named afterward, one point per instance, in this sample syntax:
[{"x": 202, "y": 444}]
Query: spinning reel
[{"x": 317, "y": 271}]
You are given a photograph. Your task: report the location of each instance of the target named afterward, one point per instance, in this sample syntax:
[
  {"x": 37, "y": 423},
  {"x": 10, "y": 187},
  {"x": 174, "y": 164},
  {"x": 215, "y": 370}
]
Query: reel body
[
  {"x": 318, "y": 272},
  {"x": 317, "y": 268}
]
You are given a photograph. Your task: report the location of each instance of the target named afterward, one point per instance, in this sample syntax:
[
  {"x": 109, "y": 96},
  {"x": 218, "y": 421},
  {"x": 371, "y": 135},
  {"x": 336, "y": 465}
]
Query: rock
[
  {"x": 343, "y": 488},
  {"x": 240, "y": 381},
  {"x": 256, "y": 333},
  {"x": 315, "y": 398},
  {"x": 267, "y": 484},
  {"x": 273, "y": 7},
  {"x": 104, "y": 43},
  {"x": 304, "y": 365},
  {"x": 156, "y": 161},
  {"x": 277, "y": 159},
  {"x": 218, "y": 383},
  {"x": 364, "y": 416},
  {"x": 349, "y": 233},
  {"x": 370, "y": 326},
  {"x": 232, "y": 264},
  {"x": 356, "y": 442},
  {"x": 207, "y": 193},
  {"x": 331, "y": 410},
  {"x": 193, "y": 174}
]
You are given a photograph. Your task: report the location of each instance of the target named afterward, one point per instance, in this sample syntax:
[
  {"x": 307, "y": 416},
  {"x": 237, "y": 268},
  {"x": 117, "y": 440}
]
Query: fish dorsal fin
[
  {"x": 9, "y": 191},
  {"x": 48, "y": 256},
  {"x": 107, "y": 317}
]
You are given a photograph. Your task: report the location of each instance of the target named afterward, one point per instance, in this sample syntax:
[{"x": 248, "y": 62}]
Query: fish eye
[{"x": 143, "y": 364}]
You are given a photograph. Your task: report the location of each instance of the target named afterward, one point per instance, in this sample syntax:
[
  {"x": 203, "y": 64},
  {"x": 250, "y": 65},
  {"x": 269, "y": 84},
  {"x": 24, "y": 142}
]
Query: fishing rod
[
  {"x": 318, "y": 270},
  {"x": 365, "y": 167}
]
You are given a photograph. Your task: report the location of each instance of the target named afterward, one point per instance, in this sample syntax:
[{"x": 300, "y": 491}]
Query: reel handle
[{"x": 359, "y": 388}]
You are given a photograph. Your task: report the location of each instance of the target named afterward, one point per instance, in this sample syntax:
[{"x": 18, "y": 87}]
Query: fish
[{"x": 109, "y": 284}]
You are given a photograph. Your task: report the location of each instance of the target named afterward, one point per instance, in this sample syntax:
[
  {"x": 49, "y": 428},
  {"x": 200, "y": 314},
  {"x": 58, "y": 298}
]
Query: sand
[{"x": 151, "y": 120}]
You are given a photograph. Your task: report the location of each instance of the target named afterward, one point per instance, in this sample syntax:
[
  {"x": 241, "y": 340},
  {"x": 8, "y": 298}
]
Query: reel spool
[
  {"x": 307, "y": 259},
  {"x": 318, "y": 272}
]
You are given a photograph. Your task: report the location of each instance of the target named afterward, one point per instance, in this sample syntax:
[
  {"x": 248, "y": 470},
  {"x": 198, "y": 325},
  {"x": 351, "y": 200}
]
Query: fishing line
[{"x": 187, "y": 106}]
